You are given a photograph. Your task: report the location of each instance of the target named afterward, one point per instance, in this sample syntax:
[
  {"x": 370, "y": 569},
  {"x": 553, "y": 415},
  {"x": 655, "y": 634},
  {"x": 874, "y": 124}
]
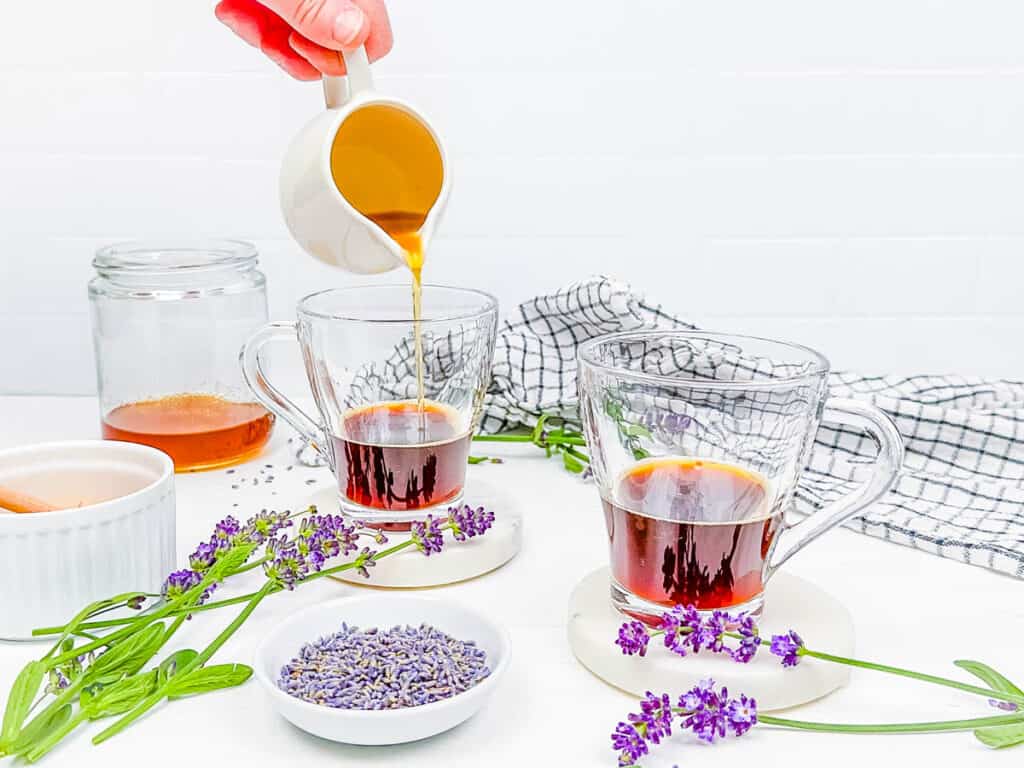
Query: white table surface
[{"x": 910, "y": 608}]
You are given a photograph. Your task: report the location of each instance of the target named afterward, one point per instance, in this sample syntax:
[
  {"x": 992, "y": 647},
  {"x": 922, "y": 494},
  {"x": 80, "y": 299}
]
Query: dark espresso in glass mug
[
  {"x": 697, "y": 442},
  {"x": 396, "y": 456}
]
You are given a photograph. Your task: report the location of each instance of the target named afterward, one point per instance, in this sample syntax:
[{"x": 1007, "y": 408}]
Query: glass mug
[
  {"x": 394, "y": 460},
  {"x": 697, "y": 441}
]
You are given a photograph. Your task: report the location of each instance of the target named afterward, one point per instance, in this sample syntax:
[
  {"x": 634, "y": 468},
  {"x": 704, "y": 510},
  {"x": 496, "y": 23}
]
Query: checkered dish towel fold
[{"x": 961, "y": 491}]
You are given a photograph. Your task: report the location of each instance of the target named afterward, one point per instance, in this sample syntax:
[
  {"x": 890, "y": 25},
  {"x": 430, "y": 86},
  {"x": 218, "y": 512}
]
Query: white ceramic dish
[
  {"x": 378, "y": 727},
  {"x": 116, "y": 536}
]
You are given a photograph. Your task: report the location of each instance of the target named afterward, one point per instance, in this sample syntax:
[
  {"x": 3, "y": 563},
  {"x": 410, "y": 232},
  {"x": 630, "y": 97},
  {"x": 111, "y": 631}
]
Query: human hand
[{"x": 305, "y": 37}]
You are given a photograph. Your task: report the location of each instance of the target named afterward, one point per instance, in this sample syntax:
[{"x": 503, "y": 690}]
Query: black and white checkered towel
[{"x": 960, "y": 494}]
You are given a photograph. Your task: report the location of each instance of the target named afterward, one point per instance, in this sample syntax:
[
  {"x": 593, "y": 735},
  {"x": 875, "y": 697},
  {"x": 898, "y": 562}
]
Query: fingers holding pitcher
[{"x": 305, "y": 37}]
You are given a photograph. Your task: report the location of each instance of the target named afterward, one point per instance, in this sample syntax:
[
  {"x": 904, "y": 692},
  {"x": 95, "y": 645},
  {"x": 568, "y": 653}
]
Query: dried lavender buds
[{"x": 383, "y": 669}]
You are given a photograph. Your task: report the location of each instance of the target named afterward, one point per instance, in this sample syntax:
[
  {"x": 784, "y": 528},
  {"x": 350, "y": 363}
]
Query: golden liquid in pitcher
[{"x": 387, "y": 165}]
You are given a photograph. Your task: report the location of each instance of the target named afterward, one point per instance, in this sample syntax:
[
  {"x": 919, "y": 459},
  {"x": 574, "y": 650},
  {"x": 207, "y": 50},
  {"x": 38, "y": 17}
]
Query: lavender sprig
[
  {"x": 711, "y": 714},
  {"x": 687, "y": 630},
  {"x": 563, "y": 440},
  {"x": 286, "y": 561}
]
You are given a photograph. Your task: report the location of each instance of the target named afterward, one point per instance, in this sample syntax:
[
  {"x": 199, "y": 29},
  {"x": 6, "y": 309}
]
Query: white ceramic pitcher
[{"x": 319, "y": 217}]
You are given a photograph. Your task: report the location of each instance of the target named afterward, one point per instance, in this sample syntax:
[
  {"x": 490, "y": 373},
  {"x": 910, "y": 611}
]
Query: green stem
[
  {"x": 931, "y": 727},
  {"x": 212, "y": 606},
  {"x": 356, "y": 563},
  {"x": 527, "y": 438},
  {"x": 578, "y": 454},
  {"x": 157, "y": 696},
  {"x": 249, "y": 566},
  {"x": 900, "y": 672},
  {"x": 179, "y": 611}
]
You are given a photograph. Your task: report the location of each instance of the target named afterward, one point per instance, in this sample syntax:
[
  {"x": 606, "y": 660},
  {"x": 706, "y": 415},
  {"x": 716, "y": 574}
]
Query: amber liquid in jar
[{"x": 197, "y": 431}]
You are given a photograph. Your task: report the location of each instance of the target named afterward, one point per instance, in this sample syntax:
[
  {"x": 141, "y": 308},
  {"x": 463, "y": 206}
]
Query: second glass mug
[
  {"x": 697, "y": 442},
  {"x": 393, "y": 462}
]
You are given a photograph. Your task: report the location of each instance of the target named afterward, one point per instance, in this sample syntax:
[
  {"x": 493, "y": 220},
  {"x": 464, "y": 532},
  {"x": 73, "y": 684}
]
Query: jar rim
[{"x": 171, "y": 256}]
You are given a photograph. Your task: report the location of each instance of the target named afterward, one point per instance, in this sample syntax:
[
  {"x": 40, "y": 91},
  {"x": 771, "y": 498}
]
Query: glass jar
[{"x": 168, "y": 321}]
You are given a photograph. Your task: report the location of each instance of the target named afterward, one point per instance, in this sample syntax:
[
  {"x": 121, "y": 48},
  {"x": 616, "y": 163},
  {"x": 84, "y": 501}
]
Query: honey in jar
[{"x": 197, "y": 431}]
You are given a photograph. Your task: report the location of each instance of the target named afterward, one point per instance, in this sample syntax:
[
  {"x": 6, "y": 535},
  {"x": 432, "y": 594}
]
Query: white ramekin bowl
[
  {"x": 388, "y": 726},
  {"x": 54, "y": 563}
]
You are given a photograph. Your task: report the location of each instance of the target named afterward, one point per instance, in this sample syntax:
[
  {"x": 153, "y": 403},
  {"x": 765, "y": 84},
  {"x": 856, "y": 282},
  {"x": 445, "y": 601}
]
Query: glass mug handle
[
  {"x": 269, "y": 396},
  {"x": 885, "y": 469}
]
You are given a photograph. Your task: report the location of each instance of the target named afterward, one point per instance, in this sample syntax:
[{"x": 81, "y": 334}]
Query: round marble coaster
[
  {"x": 458, "y": 561},
  {"x": 790, "y": 603}
]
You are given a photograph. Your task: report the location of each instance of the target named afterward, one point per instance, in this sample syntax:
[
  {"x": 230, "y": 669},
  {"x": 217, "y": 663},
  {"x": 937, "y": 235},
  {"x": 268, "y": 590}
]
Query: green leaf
[
  {"x": 636, "y": 430},
  {"x": 170, "y": 666},
  {"x": 1001, "y": 736},
  {"x": 478, "y": 459},
  {"x": 538, "y": 428},
  {"x": 996, "y": 736},
  {"x": 989, "y": 676},
  {"x": 128, "y": 656},
  {"x": 19, "y": 701},
  {"x": 211, "y": 678},
  {"x": 41, "y": 728},
  {"x": 571, "y": 463},
  {"x": 233, "y": 559},
  {"x": 122, "y": 696}
]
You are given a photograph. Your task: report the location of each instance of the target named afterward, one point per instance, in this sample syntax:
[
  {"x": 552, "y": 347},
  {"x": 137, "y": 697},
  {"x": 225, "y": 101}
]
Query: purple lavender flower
[
  {"x": 705, "y": 710},
  {"x": 750, "y": 639},
  {"x": 366, "y": 559},
  {"x": 57, "y": 681},
  {"x": 711, "y": 632},
  {"x": 708, "y": 712},
  {"x": 682, "y": 628},
  {"x": 633, "y": 638},
  {"x": 180, "y": 582},
  {"x": 263, "y": 527},
  {"x": 466, "y": 521},
  {"x": 1006, "y": 706},
  {"x": 287, "y": 566},
  {"x": 655, "y": 719},
  {"x": 741, "y": 714},
  {"x": 135, "y": 602},
  {"x": 788, "y": 647},
  {"x": 224, "y": 532},
  {"x": 204, "y": 557},
  {"x": 676, "y": 422},
  {"x": 427, "y": 535},
  {"x": 627, "y": 741}
]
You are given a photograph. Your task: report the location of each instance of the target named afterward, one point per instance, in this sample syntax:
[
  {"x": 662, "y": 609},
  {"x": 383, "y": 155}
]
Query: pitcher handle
[
  {"x": 338, "y": 90},
  {"x": 269, "y": 396},
  {"x": 886, "y": 468}
]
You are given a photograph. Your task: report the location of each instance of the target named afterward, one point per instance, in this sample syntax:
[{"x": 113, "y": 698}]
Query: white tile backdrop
[{"x": 846, "y": 174}]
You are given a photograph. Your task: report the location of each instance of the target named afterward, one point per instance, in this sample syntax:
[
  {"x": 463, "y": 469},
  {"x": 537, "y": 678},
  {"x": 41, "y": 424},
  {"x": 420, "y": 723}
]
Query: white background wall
[{"x": 845, "y": 174}]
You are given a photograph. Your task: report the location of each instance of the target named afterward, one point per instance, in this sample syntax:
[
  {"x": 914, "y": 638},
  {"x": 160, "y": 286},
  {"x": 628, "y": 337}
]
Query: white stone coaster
[
  {"x": 458, "y": 561},
  {"x": 790, "y": 603}
]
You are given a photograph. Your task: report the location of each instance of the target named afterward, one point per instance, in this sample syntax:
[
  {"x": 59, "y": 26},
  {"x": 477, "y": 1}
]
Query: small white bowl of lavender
[{"x": 382, "y": 669}]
